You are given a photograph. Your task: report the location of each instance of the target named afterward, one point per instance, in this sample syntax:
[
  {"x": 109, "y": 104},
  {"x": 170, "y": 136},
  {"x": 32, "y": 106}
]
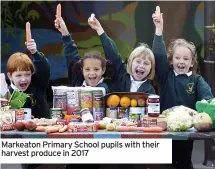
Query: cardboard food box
[
  {"x": 7, "y": 119},
  {"x": 154, "y": 121},
  {"x": 141, "y": 98},
  {"x": 82, "y": 127}
]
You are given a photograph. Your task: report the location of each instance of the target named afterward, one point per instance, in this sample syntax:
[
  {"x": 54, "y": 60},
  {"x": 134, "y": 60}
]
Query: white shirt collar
[
  {"x": 188, "y": 74},
  {"x": 132, "y": 80},
  {"x": 135, "y": 85},
  {"x": 85, "y": 84},
  {"x": 13, "y": 86}
]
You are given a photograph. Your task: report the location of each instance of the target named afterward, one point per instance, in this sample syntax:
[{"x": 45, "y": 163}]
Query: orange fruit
[
  {"x": 133, "y": 103},
  {"x": 113, "y": 101},
  {"x": 125, "y": 101},
  {"x": 141, "y": 102}
]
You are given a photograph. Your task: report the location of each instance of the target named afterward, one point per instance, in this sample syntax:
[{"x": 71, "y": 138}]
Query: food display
[
  {"x": 179, "y": 118},
  {"x": 126, "y": 105},
  {"x": 78, "y": 109}
]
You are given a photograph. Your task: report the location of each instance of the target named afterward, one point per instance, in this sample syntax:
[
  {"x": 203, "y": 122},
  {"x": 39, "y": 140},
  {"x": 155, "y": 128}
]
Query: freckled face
[{"x": 21, "y": 79}]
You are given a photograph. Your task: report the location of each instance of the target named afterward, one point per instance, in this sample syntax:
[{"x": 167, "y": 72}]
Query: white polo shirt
[
  {"x": 188, "y": 74},
  {"x": 135, "y": 84}
]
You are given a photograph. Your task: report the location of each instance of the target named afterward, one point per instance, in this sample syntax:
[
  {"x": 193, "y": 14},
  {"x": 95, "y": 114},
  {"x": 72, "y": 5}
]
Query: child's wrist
[
  {"x": 64, "y": 33},
  {"x": 33, "y": 51},
  {"x": 100, "y": 31},
  {"x": 158, "y": 32}
]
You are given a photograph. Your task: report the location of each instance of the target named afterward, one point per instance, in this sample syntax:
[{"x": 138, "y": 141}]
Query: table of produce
[{"x": 90, "y": 113}]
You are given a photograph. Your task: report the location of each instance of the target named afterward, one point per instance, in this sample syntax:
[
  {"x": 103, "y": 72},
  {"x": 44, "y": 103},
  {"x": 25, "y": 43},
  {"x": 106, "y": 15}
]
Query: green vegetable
[{"x": 18, "y": 99}]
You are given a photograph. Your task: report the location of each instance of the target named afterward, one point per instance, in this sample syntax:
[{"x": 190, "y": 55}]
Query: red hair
[{"x": 19, "y": 62}]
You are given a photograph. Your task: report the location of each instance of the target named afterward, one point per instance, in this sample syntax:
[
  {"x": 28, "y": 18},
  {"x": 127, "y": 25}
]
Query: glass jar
[
  {"x": 153, "y": 105},
  {"x": 86, "y": 115}
]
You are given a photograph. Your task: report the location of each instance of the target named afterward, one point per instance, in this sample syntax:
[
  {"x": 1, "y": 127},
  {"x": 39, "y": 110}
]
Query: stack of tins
[
  {"x": 59, "y": 109},
  {"x": 72, "y": 101},
  {"x": 94, "y": 101}
]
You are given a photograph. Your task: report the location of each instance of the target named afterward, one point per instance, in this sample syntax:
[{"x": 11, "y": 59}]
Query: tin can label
[
  {"x": 86, "y": 100},
  {"x": 56, "y": 114},
  {"x": 153, "y": 104},
  {"x": 98, "y": 114},
  {"x": 122, "y": 112},
  {"x": 20, "y": 115},
  {"x": 72, "y": 98},
  {"x": 27, "y": 112},
  {"x": 59, "y": 101},
  {"x": 111, "y": 112},
  {"x": 98, "y": 99}
]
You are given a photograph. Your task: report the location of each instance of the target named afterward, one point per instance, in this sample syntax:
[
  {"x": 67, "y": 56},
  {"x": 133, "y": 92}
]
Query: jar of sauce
[{"x": 153, "y": 105}]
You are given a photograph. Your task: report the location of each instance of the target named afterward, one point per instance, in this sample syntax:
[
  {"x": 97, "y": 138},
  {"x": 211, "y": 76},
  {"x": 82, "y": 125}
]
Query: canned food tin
[
  {"x": 98, "y": 114},
  {"x": 19, "y": 114},
  {"x": 111, "y": 112},
  {"x": 59, "y": 101},
  {"x": 27, "y": 112},
  {"x": 122, "y": 112},
  {"x": 73, "y": 98},
  {"x": 137, "y": 110},
  {"x": 86, "y": 100},
  {"x": 73, "y": 102},
  {"x": 98, "y": 99},
  {"x": 56, "y": 113}
]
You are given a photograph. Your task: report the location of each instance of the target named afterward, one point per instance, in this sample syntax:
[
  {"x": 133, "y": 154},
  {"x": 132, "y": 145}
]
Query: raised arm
[
  {"x": 110, "y": 48},
  {"x": 71, "y": 53},
  {"x": 41, "y": 76},
  {"x": 159, "y": 48}
]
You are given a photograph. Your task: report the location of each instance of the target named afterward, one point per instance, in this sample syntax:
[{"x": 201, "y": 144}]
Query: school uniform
[
  {"x": 37, "y": 88},
  {"x": 76, "y": 79},
  {"x": 122, "y": 81},
  {"x": 75, "y": 74},
  {"x": 175, "y": 89},
  {"x": 37, "y": 91}
]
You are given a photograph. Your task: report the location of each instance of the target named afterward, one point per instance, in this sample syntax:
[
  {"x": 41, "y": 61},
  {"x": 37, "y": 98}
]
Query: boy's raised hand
[
  {"x": 31, "y": 46},
  {"x": 158, "y": 21},
  {"x": 95, "y": 24},
  {"x": 61, "y": 26}
]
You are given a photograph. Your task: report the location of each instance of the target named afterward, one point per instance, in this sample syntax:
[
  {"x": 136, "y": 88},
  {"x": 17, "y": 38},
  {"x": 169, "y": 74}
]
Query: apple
[
  {"x": 141, "y": 102},
  {"x": 30, "y": 125},
  {"x": 19, "y": 125}
]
